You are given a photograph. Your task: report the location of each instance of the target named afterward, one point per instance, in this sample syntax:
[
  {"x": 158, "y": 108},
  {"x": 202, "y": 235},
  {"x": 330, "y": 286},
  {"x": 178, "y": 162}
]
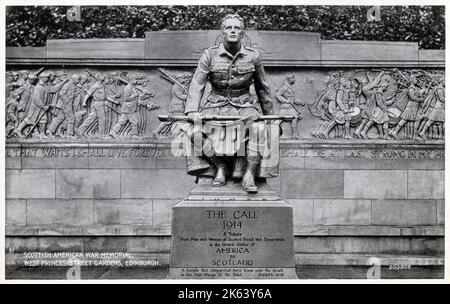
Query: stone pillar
[{"x": 224, "y": 233}]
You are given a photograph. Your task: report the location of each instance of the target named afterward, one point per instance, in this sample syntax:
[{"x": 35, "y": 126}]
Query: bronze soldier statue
[{"x": 230, "y": 68}]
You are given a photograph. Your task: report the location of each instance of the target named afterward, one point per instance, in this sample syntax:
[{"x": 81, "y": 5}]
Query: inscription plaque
[{"x": 231, "y": 235}]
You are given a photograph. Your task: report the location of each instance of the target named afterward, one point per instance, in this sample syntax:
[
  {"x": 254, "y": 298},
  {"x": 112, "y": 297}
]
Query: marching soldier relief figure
[
  {"x": 376, "y": 109},
  {"x": 339, "y": 108},
  {"x": 64, "y": 107},
  {"x": 80, "y": 111},
  {"x": 12, "y": 120},
  {"x": 177, "y": 102},
  {"x": 129, "y": 110},
  {"x": 286, "y": 97},
  {"x": 410, "y": 114},
  {"x": 408, "y": 103},
  {"x": 97, "y": 91},
  {"x": 38, "y": 109},
  {"x": 230, "y": 68},
  {"x": 24, "y": 102},
  {"x": 436, "y": 110}
]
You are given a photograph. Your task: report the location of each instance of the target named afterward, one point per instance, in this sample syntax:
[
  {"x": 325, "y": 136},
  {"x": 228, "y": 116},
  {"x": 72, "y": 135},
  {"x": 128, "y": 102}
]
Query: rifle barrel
[{"x": 165, "y": 118}]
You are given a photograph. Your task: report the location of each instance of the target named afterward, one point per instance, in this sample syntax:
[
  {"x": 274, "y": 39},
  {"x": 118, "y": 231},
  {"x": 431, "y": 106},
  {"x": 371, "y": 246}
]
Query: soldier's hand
[
  {"x": 195, "y": 116},
  {"x": 254, "y": 117}
]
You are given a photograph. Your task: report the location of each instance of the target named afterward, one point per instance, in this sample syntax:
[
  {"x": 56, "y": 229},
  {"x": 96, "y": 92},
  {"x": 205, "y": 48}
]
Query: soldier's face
[{"x": 233, "y": 31}]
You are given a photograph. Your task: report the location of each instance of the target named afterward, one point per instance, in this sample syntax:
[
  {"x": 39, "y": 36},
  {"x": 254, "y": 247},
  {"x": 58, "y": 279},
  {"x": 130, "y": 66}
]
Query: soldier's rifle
[
  {"x": 113, "y": 109},
  {"x": 107, "y": 98},
  {"x": 167, "y": 76},
  {"x": 126, "y": 81},
  {"x": 46, "y": 111},
  {"x": 173, "y": 118},
  {"x": 36, "y": 74},
  {"x": 37, "y": 121}
]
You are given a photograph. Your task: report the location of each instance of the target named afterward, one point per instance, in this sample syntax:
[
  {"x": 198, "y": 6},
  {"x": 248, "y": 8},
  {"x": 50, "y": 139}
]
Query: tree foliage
[{"x": 32, "y": 26}]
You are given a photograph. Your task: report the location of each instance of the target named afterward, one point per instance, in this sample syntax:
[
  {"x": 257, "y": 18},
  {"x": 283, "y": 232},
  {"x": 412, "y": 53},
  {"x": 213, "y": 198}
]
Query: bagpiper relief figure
[
  {"x": 434, "y": 111},
  {"x": 288, "y": 102},
  {"x": 415, "y": 96},
  {"x": 319, "y": 108},
  {"x": 339, "y": 108},
  {"x": 376, "y": 108},
  {"x": 230, "y": 68}
]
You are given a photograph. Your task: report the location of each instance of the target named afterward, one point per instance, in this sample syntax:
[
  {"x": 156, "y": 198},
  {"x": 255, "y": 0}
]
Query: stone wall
[
  {"x": 350, "y": 201},
  {"x": 353, "y": 199}
]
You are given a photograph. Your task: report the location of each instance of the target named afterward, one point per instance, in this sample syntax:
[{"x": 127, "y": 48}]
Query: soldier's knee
[{"x": 257, "y": 128}]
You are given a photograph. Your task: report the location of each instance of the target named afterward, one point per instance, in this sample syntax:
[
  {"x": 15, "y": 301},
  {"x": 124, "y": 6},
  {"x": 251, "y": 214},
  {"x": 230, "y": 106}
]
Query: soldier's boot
[
  {"x": 79, "y": 134},
  {"x": 49, "y": 134},
  {"x": 41, "y": 131},
  {"x": 248, "y": 181},
  {"x": 220, "y": 177},
  {"x": 294, "y": 129},
  {"x": 347, "y": 131},
  {"x": 113, "y": 134},
  {"x": 18, "y": 132},
  {"x": 422, "y": 134},
  {"x": 238, "y": 170},
  {"x": 394, "y": 132},
  {"x": 70, "y": 130},
  {"x": 134, "y": 132},
  {"x": 366, "y": 129}
]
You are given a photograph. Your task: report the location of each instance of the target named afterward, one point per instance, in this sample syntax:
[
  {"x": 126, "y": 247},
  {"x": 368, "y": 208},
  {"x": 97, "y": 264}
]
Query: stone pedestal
[{"x": 225, "y": 233}]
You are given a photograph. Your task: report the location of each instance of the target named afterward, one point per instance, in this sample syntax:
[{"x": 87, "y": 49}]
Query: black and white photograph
[{"x": 244, "y": 142}]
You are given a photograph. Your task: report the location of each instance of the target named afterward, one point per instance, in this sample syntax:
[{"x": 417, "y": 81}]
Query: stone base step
[
  {"x": 162, "y": 259},
  {"x": 367, "y": 259}
]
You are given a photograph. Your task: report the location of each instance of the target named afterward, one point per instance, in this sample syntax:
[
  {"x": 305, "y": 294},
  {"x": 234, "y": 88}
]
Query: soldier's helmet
[
  {"x": 85, "y": 77},
  {"x": 32, "y": 78},
  {"x": 44, "y": 75},
  {"x": 8, "y": 76},
  {"x": 24, "y": 73},
  {"x": 99, "y": 76},
  {"x": 15, "y": 95},
  {"x": 290, "y": 76}
]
